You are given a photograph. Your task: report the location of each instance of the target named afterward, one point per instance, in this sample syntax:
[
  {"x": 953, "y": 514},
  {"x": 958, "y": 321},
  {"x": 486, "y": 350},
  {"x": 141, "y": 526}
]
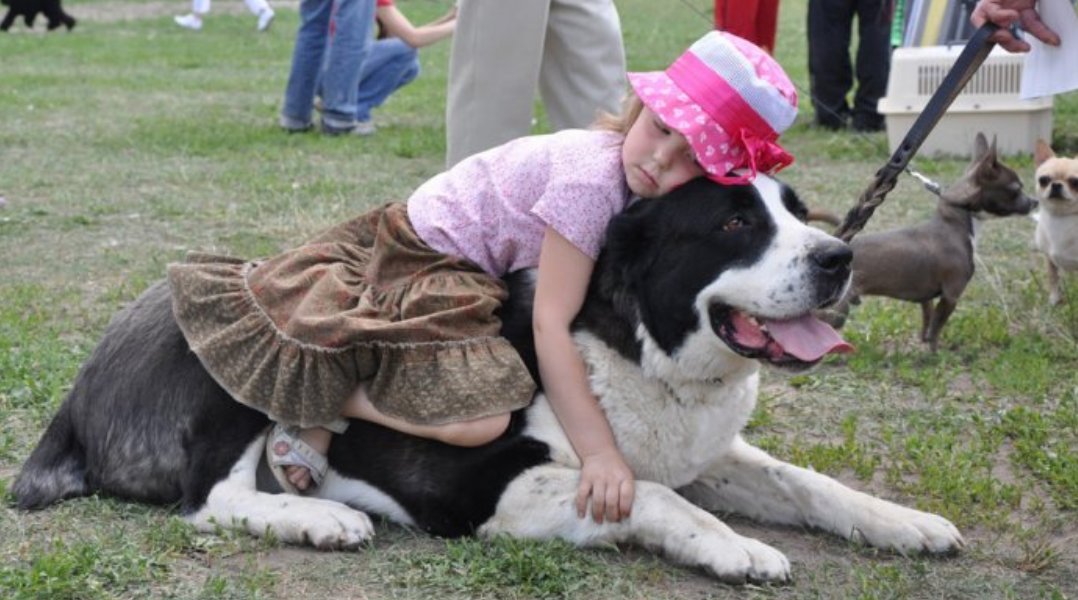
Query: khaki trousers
[{"x": 503, "y": 50}]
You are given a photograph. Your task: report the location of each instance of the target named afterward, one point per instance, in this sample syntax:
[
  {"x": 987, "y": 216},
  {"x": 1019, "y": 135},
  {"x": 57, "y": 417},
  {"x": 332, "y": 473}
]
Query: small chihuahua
[
  {"x": 1057, "y": 215},
  {"x": 934, "y": 259}
]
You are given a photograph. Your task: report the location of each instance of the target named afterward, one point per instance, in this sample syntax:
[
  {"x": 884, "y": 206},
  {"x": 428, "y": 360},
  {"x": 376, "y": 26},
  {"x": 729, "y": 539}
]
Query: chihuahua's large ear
[
  {"x": 1042, "y": 152},
  {"x": 986, "y": 160}
]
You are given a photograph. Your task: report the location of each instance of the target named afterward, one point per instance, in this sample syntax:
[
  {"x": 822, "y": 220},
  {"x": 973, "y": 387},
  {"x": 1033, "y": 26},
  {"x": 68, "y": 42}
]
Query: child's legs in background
[
  {"x": 255, "y": 6},
  {"x": 390, "y": 64},
  {"x": 200, "y": 7},
  {"x": 308, "y": 58},
  {"x": 347, "y": 49}
]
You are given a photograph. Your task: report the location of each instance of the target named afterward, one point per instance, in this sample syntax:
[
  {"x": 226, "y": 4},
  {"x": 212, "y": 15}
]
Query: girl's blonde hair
[{"x": 621, "y": 122}]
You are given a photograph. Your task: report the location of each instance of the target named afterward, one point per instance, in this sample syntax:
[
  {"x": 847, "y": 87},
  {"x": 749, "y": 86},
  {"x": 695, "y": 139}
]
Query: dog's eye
[
  {"x": 733, "y": 224},
  {"x": 1073, "y": 182},
  {"x": 1044, "y": 180}
]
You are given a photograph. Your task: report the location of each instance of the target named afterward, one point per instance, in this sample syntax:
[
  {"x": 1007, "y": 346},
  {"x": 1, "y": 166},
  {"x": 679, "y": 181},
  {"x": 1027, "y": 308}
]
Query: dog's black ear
[
  {"x": 626, "y": 253},
  {"x": 793, "y": 202}
]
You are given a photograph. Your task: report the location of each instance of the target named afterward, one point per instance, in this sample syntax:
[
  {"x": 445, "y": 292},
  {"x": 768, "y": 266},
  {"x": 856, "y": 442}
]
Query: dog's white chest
[
  {"x": 667, "y": 435},
  {"x": 1057, "y": 236}
]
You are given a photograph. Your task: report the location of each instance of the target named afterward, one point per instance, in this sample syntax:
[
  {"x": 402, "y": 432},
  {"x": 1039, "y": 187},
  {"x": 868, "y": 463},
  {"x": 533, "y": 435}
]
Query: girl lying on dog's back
[{"x": 391, "y": 317}]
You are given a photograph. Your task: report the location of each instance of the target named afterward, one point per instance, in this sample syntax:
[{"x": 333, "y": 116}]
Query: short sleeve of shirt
[{"x": 586, "y": 190}]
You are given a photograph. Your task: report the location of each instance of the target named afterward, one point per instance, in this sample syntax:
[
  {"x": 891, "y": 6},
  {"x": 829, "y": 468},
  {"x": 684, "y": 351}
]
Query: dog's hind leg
[
  {"x": 926, "y": 319},
  {"x": 540, "y": 504},
  {"x": 940, "y": 314},
  {"x": 748, "y": 481},
  {"x": 1055, "y": 288},
  {"x": 235, "y": 503},
  {"x": 55, "y": 470}
]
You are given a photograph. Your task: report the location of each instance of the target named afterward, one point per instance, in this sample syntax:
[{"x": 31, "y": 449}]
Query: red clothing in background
[{"x": 754, "y": 20}]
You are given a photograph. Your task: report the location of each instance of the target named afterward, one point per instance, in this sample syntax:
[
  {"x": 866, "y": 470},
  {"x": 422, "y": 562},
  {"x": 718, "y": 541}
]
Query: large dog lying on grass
[{"x": 691, "y": 293}]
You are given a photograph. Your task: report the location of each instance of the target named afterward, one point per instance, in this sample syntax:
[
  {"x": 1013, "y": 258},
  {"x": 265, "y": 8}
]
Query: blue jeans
[
  {"x": 342, "y": 53},
  {"x": 390, "y": 65}
]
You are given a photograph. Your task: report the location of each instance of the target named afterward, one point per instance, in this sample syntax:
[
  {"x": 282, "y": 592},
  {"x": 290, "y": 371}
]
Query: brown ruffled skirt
[{"x": 366, "y": 301}]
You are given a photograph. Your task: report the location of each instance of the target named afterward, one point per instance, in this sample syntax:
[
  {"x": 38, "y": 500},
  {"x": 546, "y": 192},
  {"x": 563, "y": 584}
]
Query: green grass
[{"x": 130, "y": 142}]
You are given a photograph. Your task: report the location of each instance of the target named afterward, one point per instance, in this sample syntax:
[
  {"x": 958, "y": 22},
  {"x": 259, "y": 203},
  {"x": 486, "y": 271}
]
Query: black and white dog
[{"x": 691, "y": 293}]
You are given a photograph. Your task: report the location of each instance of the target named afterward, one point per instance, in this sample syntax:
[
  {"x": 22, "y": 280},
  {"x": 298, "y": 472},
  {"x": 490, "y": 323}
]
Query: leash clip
[{"x": 929, "y": 184}]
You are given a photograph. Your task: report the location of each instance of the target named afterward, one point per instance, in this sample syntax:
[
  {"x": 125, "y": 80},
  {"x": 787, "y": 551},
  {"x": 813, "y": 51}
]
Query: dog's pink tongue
[{"x": 807, "y": 337}]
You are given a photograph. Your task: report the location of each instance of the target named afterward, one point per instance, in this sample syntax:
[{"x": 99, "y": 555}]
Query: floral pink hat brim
[{"x": 730, "y": 100}]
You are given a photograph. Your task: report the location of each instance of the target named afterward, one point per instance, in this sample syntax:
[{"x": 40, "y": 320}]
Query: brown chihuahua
[
  {"x": 934, "y": 259},
  {"x": 1057, "y": 215}
]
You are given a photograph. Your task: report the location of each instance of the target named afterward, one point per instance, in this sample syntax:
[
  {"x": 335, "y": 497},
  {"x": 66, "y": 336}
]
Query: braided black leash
[{"x": 975, "y": 52}]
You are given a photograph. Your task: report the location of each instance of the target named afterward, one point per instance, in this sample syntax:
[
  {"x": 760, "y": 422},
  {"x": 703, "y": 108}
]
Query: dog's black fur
[
  {"x": 143, "y": 378},
  {"x": 29, "y": 9}
]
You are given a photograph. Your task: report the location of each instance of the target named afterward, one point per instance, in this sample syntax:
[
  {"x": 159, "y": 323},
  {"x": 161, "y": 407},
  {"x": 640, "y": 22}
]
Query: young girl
[{"x": 390, "y": 317}]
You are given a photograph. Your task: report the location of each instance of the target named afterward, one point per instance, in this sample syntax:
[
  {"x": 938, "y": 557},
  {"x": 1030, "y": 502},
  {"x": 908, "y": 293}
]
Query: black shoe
[
  {"x": 868, "y": 123},
  {"x": 294, "y": 125},
  {"x": 834, "y": 120},
  {"x": 830, "y": 124}
]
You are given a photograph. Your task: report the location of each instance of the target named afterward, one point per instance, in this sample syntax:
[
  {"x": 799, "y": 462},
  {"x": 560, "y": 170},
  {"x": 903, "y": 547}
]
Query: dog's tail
[{"x": 56, "y": 469}]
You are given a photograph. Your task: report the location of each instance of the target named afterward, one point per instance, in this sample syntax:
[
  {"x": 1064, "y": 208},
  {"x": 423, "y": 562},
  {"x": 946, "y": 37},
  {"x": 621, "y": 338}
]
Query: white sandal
[{"x": 284, "y": 448}]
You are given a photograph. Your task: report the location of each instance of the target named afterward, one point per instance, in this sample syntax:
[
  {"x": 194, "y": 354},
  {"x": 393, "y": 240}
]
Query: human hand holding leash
[
  {"x": 608, "y": 481},
  {"x": 1008, "y": 12}
]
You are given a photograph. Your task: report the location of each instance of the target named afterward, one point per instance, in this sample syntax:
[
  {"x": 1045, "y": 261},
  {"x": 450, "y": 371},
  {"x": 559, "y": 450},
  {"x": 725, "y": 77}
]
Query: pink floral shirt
[{"x": 494, "y": 207}]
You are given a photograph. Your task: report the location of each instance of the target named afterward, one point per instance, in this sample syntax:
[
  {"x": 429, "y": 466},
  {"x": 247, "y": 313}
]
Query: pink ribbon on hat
[
  {"x": 728, "y": 109},
  {"x": 763, "y": 155}
]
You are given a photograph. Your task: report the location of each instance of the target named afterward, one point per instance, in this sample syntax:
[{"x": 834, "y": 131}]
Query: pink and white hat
[{"x": 730, "y": 100}]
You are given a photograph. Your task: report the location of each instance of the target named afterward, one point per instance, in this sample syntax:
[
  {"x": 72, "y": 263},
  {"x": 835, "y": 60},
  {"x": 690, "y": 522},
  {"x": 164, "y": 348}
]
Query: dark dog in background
[
  {"x": 29, "y": 9},
  {"x": 934, "y": 260}
]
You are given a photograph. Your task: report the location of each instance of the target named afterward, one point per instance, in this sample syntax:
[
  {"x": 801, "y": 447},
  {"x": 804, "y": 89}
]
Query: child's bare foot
[{"x": 298, "y": 457}]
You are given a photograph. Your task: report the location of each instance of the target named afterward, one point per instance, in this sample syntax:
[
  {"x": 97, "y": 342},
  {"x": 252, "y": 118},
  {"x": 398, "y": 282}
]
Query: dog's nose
[
  {"x": 1057, "y": 190},
  {"x": 832, "y": 257}
]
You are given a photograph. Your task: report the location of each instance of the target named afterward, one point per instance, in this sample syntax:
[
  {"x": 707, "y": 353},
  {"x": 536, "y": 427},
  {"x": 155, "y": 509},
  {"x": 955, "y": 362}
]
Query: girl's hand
[{"x": 609, "y": 482}]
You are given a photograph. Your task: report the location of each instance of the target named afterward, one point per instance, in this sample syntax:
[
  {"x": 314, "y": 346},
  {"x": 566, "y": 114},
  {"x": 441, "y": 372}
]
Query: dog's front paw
[
  {"x": 328, "y": 526},
  {"x": 908, "y": 531},
  {"x": 324, "y": 524},
  {"x": 738, "y": 559}
]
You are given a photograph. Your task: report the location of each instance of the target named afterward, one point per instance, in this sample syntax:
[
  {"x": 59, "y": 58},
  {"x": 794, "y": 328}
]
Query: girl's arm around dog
[{"x": 605, "y": 477}]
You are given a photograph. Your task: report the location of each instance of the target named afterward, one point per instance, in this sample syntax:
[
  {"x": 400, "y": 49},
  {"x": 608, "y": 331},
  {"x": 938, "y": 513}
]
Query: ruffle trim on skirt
[{"x": 303, "y": 384}]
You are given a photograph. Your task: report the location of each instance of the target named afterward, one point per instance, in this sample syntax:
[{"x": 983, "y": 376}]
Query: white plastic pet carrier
[{"x": 989, "y": 103}]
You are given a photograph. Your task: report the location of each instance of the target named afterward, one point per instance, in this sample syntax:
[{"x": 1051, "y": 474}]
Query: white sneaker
[
  {"x": 191, "y": 21},
  {"x": 265, "y": 18}
]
